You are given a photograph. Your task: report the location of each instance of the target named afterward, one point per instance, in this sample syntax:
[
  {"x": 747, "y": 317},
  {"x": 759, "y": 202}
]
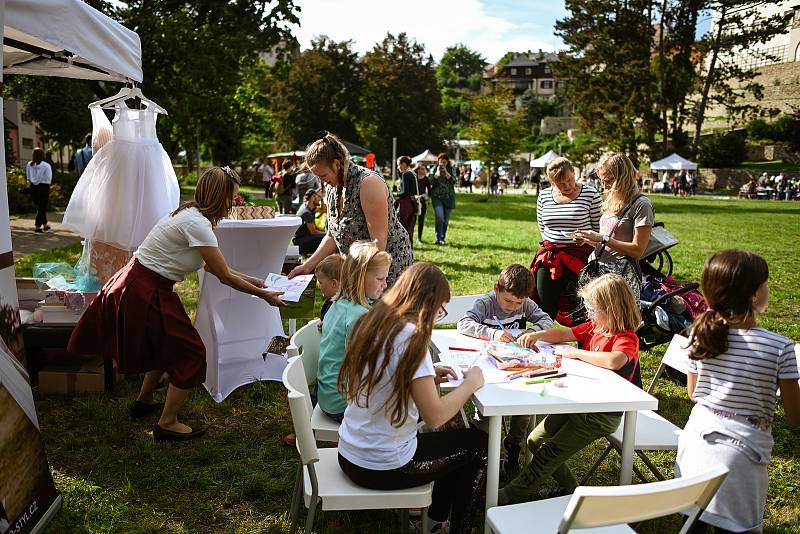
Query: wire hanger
[{"x": 126, "y": 93}]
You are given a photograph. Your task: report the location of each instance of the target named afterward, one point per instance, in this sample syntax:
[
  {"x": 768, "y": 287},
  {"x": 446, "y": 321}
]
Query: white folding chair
[
  {"x": 305, "y": 343},
  {"x": 653, "y": 432},
  {"x": 321, "y": 482},
  {"x": 609, "y": 509},
  {"x": 457, "y": 308}
]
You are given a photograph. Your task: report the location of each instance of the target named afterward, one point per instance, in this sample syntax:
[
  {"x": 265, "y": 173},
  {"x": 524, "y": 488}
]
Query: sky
[{"x": 491, "y": 27}]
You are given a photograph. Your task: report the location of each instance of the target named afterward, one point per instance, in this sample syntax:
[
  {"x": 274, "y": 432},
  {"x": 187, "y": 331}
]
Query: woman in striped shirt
[
  {"x": 734, "y": 372},
  {"x": 562, "y": 209}
]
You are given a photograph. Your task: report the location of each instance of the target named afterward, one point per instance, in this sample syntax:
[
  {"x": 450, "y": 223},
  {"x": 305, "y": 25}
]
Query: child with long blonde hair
[
  {"x": 389, "y": 381},
  {"x": 735, "y": 368},
  {"x": 610, "y": 342},
  {"x": 362, "y": 280}
]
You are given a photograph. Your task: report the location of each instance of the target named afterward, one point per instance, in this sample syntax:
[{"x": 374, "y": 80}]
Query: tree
[
  {"x": 460, "y": 68},
  {"x": 496, "y": 126},
  {"x": 535, "y": 108},
  {"x": 399, "y": 98},
  {"x": 195, "y": 54},
  {"x": 58, "y": 105},
  {"x": 319, "y": 92},
  {"x": 458, "y": 75},
  {"x": 738, "y": 28},
  {"x": 608, "y": 67}
]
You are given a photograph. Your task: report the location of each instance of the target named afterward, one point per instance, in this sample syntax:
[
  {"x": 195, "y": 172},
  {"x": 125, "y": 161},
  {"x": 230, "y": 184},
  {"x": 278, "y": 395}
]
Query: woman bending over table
[
  {"x": 139, "y": 320},
  {"x": 561, "y": 210},
  {"x": 360, "y": 208},
  {"x": 390, "y": 381}
]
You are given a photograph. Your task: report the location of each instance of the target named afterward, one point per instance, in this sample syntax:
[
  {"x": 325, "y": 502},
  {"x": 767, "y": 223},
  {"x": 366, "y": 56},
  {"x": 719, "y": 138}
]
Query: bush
[
  {"x": 722, "y": 150},
  {"x": 784, "y": 130},
  {"x": 20, "y": 201}
]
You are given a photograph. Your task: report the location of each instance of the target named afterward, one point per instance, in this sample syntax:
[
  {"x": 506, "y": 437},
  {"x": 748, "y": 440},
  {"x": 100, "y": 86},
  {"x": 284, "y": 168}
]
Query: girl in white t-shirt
[
  {"x": 734, "y": 371},
  {"x": 389, "y": 381}
]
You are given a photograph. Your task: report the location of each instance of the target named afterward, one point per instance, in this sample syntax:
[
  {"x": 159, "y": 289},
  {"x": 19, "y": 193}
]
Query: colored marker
[{"x": 546, "y": 379}]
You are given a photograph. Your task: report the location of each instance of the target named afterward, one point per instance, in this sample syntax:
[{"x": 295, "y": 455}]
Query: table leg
[
  {"x": 628, "y": 441},
  {"x": 493, "y": 465}
]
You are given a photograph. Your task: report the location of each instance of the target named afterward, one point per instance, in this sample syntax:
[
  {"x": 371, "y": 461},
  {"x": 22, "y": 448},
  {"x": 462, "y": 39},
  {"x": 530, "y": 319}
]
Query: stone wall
[
  {"x": 716, "y": 179},
  {"x": 771, "y": 153},
  {"x": 781, "y": 91},
  {"x": 556, "y": 125}
]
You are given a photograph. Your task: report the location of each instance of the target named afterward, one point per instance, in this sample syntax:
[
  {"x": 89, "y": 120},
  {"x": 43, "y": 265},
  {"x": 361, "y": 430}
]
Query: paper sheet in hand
[{"x": 292, "y": 289}]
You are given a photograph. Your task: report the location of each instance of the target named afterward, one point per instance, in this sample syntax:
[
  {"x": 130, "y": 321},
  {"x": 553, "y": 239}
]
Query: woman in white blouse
[{"x": 40, "y": 175}]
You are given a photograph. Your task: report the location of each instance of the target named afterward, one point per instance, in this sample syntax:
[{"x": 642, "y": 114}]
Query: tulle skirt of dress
[{"x": 125, "y": 190}]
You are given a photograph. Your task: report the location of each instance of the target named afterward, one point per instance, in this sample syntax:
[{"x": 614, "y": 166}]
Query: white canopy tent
[
  {"x": 425, "y": 157},
  {"x": 673, "y": 162},
  {"x": 69, "y": 39},
  {"x": 542, "y": 161},
  {"x": 65, "y": 38}
]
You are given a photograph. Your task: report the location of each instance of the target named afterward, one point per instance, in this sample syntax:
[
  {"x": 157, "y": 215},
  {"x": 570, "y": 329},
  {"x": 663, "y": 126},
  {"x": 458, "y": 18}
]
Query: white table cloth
[
  {"x": 235, "y": 327},
  {"x": 589, "y": 389}
]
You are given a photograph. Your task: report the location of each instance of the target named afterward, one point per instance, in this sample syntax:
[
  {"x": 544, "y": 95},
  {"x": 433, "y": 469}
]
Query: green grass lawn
[{"x": 239, "y": 477}]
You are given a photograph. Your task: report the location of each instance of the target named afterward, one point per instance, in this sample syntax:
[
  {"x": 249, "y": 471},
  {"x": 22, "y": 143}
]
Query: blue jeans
[{"x": 442, "y": 220}]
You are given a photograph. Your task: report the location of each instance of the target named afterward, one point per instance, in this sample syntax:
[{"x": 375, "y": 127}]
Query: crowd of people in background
[{"x": 772, "y": 187}]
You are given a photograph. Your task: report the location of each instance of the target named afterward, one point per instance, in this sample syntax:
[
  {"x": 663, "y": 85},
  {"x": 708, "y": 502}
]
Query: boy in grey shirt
[{"x": 508, "y": 305}]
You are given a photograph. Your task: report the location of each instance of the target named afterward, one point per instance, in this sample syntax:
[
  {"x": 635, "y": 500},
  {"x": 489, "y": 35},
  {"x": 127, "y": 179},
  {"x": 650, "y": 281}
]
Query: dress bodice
[{"x": 135, "y": 124}]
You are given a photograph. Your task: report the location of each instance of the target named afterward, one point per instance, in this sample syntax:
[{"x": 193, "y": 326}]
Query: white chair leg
[
  {"x": 296, "y": 497},
  {"x": 424, "y": 522},
  {"x": 312, "y": 510},
  {"x": 596, "y": 464},
  {"x": 650, "y": 465},
  {"x": 292, "y": 327}
]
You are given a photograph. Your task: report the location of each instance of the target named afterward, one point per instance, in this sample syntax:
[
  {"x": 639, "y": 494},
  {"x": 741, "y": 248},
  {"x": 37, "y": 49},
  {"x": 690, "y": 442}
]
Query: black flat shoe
[
  {"x": 142, "y": 409},
  {"x": 162, "y": 434}
]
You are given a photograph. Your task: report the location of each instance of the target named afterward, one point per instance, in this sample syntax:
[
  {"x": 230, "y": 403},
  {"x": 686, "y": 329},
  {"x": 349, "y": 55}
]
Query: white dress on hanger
[{"x": 129, "y": 184}]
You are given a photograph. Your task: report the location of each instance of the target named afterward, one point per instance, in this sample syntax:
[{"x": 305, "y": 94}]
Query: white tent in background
[
  {"x": 542, "y": 161},
  {"x": 425, "y": 157},
  {"x": 673, "y": 162}
]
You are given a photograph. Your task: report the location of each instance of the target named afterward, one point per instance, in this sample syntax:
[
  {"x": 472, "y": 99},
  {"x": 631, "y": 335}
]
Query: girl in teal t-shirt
[{"x": 363, "y": 279}]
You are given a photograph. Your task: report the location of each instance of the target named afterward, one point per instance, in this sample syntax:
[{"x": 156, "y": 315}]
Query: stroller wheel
[{"x": 660, "y": 262}]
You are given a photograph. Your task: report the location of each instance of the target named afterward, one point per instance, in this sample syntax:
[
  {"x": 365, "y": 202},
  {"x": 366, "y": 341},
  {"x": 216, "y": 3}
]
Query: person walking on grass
[
  {"x": 443, "y": 195},
  {"x": 40, "y": 175}
]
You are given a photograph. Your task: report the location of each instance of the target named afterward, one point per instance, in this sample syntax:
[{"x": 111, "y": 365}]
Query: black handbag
[{"x": 593, "y": 269}]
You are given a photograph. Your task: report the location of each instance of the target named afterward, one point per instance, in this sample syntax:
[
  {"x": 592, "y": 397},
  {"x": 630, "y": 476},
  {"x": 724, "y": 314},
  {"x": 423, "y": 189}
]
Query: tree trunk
[
  {"x": 709, "y": 82},
  {"x": 661, "y": 85}
]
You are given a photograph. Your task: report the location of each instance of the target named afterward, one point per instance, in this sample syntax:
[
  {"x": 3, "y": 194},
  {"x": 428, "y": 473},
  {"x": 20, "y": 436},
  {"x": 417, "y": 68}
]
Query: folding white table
[
  {"x": 235, "y": 327},
  {"x": 589, "y": 389}
]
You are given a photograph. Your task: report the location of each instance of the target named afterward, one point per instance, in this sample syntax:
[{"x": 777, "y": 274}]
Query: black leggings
[
  {"x": 550, "y": 291},
  {"x": 455, "y": 460},
  {"x": 41, "y": 195},
  {"x": 423, "y": 209}
]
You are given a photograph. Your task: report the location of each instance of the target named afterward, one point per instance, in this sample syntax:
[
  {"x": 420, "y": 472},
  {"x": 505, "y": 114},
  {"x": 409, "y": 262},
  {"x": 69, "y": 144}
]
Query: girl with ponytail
[{"x": 734, "y": 371}]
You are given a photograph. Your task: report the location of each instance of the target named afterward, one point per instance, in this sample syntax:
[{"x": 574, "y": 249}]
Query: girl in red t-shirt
[{"x": 609, "y": 340}]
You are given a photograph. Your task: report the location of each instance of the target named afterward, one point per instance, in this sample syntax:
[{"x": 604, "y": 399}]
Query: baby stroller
[{"x": 667, "y": 307}]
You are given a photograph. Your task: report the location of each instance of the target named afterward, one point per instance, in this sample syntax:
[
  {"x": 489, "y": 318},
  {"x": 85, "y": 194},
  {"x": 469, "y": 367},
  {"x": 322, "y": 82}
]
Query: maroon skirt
[{"x": 138, "y": 320}]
